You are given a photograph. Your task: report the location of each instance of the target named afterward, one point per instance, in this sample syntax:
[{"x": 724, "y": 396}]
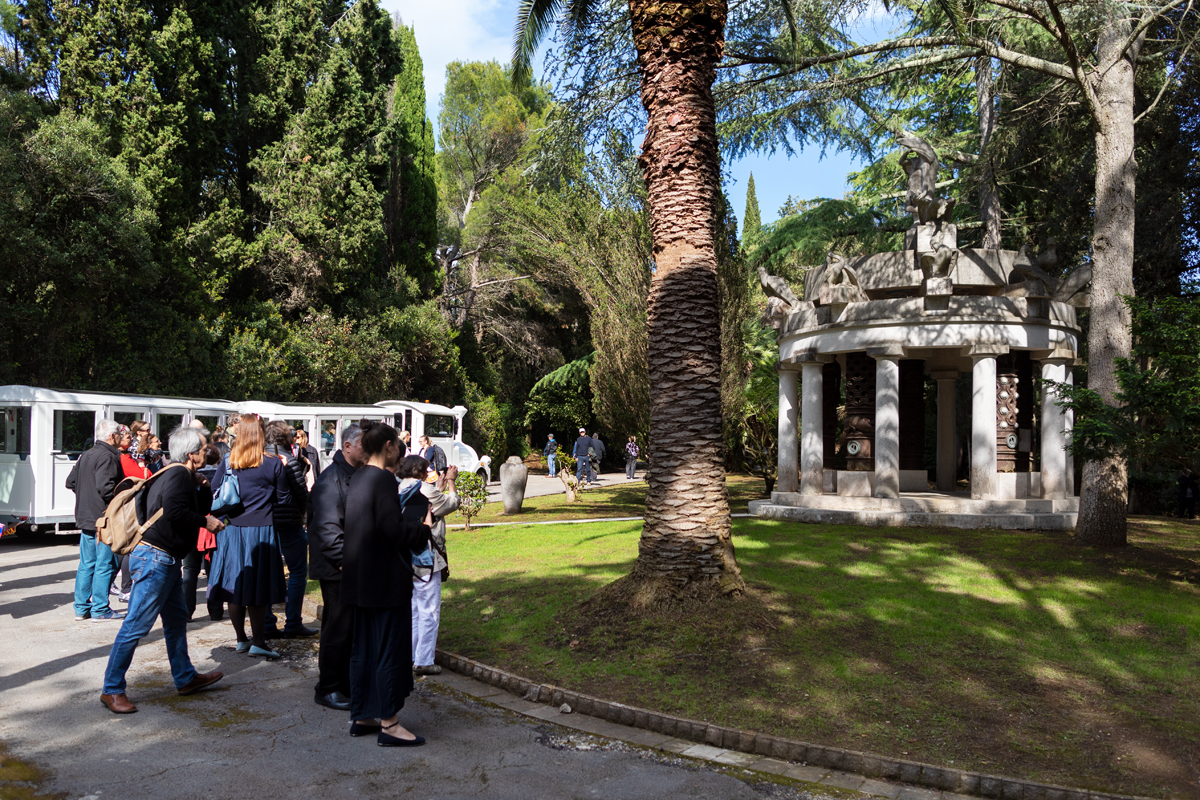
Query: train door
[
  {"x": 166, "y": 420},
  {"x": 16, "y": 471},
  {"x": 72, "y": 431}
]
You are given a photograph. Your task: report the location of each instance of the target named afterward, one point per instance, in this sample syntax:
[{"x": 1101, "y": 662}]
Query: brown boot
[
  {"x": 201, "y": 681},
  {"x": 117, "y": 703}
]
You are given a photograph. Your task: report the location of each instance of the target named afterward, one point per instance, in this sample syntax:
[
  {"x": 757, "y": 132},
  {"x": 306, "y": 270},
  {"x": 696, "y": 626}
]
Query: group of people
[
  {"x": 589, "y": 452},
  {"x": 371, "y": 523}
]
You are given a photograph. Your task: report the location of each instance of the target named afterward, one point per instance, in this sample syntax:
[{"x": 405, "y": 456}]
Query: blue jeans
[
  {"x": 157, "y": 590},
  {"x": 581, "y": 469},
  {"x": 293, "y": 544},
  {"x": 550, "y": 463},
  {"x": 97, "y": 565}
]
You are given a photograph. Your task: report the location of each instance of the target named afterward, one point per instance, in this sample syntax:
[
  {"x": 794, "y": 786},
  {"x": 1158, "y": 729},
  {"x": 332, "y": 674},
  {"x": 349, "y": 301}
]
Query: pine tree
[
  {"x": 751, "y": 220},
  {"x": 412, "y": 197}
]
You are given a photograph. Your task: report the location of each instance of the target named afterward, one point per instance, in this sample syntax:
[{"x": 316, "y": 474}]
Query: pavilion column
[
  {"x": 983, "y": 420},
  {"x": 789, "y": 440},
  {"x": 887, "y": 420},
  {"x": 1054, "y": 431},
  {"x": 947, "y": 453},
  {"x": 812, "y": 430}
]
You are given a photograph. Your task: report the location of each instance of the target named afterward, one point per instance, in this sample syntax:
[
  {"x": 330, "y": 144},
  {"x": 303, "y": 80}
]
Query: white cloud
[{"x": 456, "y": 30}]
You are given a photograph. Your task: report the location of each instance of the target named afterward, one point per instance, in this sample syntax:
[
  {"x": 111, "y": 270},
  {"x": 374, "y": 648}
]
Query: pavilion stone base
[
  {"x": 923, "y": 510},
  {"x": 862, "y": 484}
]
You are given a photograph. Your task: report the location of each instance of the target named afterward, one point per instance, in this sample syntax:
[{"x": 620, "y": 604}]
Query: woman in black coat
[{"x": 377, "y": 552}]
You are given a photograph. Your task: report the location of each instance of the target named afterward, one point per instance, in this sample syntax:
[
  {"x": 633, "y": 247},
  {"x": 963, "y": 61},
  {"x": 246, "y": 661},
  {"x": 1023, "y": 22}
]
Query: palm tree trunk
[
  {"x": 686, "y": 549},
  {"x": 1104, "y": 492}
]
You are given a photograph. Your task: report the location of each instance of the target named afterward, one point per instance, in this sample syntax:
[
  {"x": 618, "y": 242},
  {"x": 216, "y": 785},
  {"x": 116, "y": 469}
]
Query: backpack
[{"x": 119, "y": 527}]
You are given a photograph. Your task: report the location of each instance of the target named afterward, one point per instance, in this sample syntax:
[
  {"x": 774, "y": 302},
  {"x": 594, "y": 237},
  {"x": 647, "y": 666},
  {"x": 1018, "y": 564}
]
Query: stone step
[
  {"x": 1048, "y": 521},
  {"x": 927, "y": 502}
]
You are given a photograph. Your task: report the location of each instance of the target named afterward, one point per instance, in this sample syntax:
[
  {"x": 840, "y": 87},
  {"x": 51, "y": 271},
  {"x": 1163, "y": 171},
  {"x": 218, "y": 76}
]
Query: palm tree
[{"x": 686, "y": 548}]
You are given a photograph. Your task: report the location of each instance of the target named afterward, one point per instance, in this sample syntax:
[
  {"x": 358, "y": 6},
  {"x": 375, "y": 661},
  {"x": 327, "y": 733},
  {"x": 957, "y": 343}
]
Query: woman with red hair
[{"x": 247, "y": 569}]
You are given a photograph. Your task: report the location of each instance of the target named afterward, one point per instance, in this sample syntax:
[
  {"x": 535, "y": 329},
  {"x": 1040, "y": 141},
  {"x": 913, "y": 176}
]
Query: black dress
[{"x": 377, "y": 581}]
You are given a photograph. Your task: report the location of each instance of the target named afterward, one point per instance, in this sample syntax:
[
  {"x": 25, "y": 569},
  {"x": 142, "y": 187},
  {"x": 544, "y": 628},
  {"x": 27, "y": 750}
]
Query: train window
[
  {"x": 328, "y": 435},
  {"x": 166, "y": 424},
  {"x": 14, "y": 433},
  {"x": 439, "y": 427},
  {"x": 127, "y": 418},
  {"x": 73, "y": 431},
  {"x": 209, "y": 422}
]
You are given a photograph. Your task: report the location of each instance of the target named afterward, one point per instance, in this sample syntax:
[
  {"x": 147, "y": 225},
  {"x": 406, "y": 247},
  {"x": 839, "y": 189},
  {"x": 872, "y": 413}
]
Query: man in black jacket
[
  {"x": 326, "y": 517},
  {"x": 289, "y": 527},
  {"x": 158, "y": 590},
  {"x": 93, "y": 479}
]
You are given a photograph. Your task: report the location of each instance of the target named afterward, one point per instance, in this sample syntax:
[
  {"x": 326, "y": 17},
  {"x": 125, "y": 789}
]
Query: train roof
[{"x": 21, "y": 393}]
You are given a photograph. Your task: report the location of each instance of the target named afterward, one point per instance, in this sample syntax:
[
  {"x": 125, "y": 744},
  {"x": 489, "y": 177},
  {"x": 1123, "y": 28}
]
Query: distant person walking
[
  {"x": 631, "y": 457},
  {"x": 94, "y": 479},
  {"x": 326, "y": 535},
  {"x": 131, "y": 469},
  {"x": 580, "y": 451},
  {"x": 377, "y": 581},
  {"x": 596, "y": 456},
  {"x": 1187, "y": 494},
  {"x": 155, "y": 562},
  {"x": 308, "y": 455},
  {"x": 551, "y": 452}
]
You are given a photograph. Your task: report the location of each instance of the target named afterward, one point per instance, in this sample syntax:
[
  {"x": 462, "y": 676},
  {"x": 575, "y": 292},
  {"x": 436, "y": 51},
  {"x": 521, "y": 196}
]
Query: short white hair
[
  {"x": 185, "y": 440},
  {"x": 351, "y": 434},
  {"x": 106, "y": 428}
]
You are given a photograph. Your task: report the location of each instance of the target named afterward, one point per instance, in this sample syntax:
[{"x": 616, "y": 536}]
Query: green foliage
[
  {"x": 412, "y": 199},
  {"x": 1157, "y": 420},
  {"x": 220, "y": 199},
  {"x": 472, "y": 495},
  {"x": 794, "y": 243},
  {"x": 760, "y": 411},
  {"x": 752, "y": 219}
]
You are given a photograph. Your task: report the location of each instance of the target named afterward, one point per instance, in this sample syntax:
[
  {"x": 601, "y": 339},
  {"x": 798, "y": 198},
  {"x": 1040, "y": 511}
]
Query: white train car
[{"x": 44, "y": 431}]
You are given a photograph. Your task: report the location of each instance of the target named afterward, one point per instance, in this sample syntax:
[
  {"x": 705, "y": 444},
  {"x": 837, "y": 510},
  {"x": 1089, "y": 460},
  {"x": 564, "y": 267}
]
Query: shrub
[{"x": 472, "y": 494}]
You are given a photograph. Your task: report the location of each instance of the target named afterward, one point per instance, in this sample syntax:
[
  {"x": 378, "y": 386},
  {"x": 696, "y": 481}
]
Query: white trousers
[{"x": 426, "y": 614}]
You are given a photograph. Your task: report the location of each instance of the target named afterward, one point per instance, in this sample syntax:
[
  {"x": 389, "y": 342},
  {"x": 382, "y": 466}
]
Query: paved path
[
  {"x": 541, "y": 485},
  {"x": 258, "y": 733}
]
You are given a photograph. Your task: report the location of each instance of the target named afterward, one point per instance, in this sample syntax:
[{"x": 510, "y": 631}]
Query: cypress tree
[
  {"x": 751, "y": 220},
  {"x": 412, "y": 198}
]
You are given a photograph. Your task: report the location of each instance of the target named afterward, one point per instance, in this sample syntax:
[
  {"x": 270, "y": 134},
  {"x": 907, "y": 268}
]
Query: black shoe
[
  {"x": 363, "y": 728},
  {"x": 300, "y": 632},
  {"x": 383, "y": 740},
  {"x": 335, "y": 700},
  {"x": 272, "y": 633}
]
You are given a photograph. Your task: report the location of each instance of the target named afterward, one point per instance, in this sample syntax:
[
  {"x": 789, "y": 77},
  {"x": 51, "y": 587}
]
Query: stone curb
[{"x": 868, "y": 765}]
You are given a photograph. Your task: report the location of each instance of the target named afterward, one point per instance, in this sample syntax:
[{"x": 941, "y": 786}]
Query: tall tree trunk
[
  {"x": 1104, "y": 496},
  {"x": 989, "y": 193},
  {"x": 686, "y": 549}
]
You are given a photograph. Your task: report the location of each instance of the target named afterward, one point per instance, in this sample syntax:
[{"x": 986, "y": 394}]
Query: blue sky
[{"x": 481, "y": 30}]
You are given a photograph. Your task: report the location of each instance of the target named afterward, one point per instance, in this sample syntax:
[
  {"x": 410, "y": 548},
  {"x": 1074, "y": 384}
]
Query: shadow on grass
[{"x": 1006, "y": 652}]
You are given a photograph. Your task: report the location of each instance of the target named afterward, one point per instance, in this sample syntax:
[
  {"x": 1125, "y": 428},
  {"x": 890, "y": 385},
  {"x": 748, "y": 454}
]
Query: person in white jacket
[{"x": 442, "y": 498}]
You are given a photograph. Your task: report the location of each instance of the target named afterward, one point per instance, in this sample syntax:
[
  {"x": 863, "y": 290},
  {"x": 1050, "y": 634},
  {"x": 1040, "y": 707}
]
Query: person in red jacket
[{"x": 132, "y": 469}]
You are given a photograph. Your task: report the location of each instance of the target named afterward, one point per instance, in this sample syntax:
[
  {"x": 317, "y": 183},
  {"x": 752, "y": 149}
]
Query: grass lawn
[
  {"x": 618, "y": 500},
  {"x": 1013, "y": 653}
]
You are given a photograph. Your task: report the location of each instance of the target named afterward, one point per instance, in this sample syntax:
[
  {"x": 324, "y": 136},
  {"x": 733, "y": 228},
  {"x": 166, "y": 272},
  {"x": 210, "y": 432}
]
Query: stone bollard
[{"x": 513, "y": 477}]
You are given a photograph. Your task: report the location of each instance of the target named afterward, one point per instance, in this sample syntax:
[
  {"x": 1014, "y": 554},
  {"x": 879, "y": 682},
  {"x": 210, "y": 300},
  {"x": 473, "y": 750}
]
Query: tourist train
[{"x": 45, "y": 430}]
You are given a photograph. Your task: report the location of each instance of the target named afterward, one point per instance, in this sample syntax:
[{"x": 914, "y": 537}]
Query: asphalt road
[{"x": 258, "y": 734}]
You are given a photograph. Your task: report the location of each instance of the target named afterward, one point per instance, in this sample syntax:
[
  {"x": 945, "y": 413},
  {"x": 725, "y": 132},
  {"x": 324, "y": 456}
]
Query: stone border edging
[{"x": 868, "y": 765}]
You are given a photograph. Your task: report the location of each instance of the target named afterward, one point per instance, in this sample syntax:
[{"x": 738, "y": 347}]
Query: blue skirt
[{"x": 247, "y": 569}]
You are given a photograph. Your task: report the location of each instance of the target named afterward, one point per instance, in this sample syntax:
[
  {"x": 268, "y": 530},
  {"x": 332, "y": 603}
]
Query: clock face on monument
[
  {"x": 1011, "y": 441},
  {"x": 853, "y": 448}
]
